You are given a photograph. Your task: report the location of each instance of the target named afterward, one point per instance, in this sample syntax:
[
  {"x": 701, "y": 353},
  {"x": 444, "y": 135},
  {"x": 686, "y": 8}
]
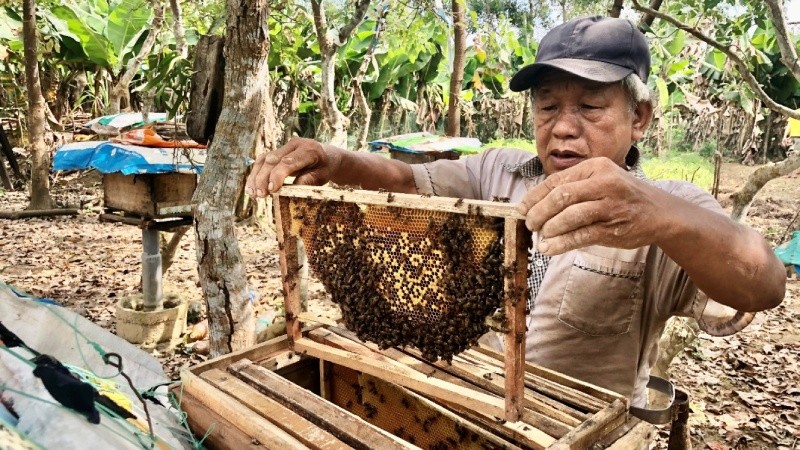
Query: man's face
[{"x": 576, "y": 119}]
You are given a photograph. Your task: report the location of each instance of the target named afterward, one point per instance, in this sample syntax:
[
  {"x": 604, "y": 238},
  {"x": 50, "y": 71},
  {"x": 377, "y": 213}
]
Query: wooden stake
[
  {"x": 517, "y": 239},
  {"x": 290, "y": 269}
]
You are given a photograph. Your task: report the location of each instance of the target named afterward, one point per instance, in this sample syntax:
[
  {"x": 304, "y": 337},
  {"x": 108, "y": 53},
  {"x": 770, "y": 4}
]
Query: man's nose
[{"x": 567, "y": 124}]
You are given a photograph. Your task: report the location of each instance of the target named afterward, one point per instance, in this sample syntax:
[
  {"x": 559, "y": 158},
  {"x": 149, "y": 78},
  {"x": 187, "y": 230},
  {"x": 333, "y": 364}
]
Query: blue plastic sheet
[{"x": 110, "y": 157}]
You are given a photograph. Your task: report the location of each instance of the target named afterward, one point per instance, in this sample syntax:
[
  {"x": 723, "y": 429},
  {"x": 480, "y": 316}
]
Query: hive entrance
[{"x": 405, "y": 276}]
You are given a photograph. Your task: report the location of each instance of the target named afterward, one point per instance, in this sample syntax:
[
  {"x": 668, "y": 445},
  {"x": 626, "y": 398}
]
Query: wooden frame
[
  {"x": 516, "y": 242},
  {"x": 240, "y": 396}
]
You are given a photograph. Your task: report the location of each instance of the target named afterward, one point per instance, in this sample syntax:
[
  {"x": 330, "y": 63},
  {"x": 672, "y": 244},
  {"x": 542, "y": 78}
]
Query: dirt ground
[{"x": 745, "y": 388}]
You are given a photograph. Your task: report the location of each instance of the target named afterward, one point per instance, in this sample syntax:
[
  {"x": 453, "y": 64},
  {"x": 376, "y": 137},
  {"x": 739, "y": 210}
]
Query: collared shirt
[{"x": 599, "y": 311}]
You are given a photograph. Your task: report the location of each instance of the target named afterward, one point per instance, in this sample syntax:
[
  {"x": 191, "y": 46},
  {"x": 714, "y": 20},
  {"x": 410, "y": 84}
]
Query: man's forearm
[
  {"x": 372, "y": 172},
  {"x": 729, "y": 262}
]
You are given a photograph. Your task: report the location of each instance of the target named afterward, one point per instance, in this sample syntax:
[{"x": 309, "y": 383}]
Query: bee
[
  {"x": 390, "y": 198},
  {"x": 459, "y": 202},
  {"x": 370, "y": 410}
]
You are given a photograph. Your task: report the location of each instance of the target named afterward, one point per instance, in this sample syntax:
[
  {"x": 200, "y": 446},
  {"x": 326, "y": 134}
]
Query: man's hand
[
  {"x": 592, "y": 203},
  {"x": 305, "y": 159}
]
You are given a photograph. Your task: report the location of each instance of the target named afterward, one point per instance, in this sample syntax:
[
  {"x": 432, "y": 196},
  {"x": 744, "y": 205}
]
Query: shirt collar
[{"x": 533, "y": 167}]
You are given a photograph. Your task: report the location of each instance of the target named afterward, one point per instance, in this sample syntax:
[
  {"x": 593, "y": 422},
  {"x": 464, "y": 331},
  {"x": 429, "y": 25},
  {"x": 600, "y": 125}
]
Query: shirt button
[{"x": 539, "y": 262}]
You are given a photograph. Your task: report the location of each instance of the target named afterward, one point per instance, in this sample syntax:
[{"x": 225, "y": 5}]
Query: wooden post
[
  {"x": 516, "y": 238},
  {"x": 290, "y": 269}
]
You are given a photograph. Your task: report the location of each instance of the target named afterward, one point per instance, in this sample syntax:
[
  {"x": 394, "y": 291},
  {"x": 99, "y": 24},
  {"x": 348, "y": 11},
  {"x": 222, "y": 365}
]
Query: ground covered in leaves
[{"x": 745, "y": 388}]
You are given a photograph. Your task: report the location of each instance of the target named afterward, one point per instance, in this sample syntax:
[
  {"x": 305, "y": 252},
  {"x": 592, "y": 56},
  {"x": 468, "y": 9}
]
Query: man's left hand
[{"x": 594, "y": 202}]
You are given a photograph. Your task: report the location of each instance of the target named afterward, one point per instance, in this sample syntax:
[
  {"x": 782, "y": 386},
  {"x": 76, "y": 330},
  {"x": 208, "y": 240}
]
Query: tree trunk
[
  {"x": 616, "y": 8},
  {"x": 336, "y": 122},
  {"x": 768, "y": 135},
  {"x": 120, "y": 88},
  {"x": 453, "y": 127},
  {"x": 208, "y": 88},
  {"x": 177, "y": 28},
  {"x": 679, "y": 333},
  {"x": 168, "y": 248},
  {"x": 222, "y": 273},
  {"x": 39, "y": 150},
  {"x": 358, "y": 91},
  {"x": 8, "y": 152},
  {"x": 743, "y": 198}
]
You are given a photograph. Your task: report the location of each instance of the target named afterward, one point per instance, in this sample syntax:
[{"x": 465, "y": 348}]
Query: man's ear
[{"x": 642, "y": 116}]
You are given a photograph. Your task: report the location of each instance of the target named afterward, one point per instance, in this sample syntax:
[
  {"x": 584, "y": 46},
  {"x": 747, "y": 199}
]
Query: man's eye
[
  {"x": 548, "y": 108},
  {"x": 587, "y": 106}
]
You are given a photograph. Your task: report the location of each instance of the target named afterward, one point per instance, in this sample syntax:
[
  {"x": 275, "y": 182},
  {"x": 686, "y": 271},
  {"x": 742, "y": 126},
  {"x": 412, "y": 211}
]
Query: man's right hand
[{"x": 305, "y": 159}]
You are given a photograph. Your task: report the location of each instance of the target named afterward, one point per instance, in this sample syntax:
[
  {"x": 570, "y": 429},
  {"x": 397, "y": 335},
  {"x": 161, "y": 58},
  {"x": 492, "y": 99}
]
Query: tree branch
[
  {"x": 741, "y": 66},
  {"x": 136, "y": 62},
  {"x": 177, "y": 27},
  {"x": 321, "y": 26},
  {"x": 788, "y": 50},
  {"x": 647, "y": 19},
  {"x": 358, "y": 17}
]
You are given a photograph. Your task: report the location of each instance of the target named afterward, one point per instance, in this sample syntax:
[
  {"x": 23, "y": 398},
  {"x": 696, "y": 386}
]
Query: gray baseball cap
[{"x": 597, "y": 48}]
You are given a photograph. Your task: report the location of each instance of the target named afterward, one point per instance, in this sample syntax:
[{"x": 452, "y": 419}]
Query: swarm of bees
[{"x": 418, "y": 278}]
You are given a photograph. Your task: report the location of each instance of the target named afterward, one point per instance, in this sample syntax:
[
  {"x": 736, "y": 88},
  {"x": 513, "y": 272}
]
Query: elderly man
[{"x": 616, "y": 254}]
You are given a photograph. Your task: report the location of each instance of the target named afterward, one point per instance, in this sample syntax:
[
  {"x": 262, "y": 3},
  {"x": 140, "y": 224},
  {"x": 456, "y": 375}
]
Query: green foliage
[
  {"x": 104, "y": 33},
  {"x": 522, "y": 144},
  {"x": 681, "y": 166},
  {"x": 166, "y": 75}
]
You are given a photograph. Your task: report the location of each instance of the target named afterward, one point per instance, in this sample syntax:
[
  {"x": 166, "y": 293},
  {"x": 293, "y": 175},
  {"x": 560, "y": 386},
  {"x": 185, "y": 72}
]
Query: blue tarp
[
  {"x": 789, "y": 252},
  {"x": 110, "y": 157}
]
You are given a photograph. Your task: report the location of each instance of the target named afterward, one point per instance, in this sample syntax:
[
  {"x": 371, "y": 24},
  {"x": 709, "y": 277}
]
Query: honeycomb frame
[{"x": 292, "y": 220}]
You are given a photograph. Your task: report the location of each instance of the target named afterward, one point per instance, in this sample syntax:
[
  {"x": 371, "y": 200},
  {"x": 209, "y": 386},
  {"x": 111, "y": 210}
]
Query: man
[{"x": 616, "y": 254}]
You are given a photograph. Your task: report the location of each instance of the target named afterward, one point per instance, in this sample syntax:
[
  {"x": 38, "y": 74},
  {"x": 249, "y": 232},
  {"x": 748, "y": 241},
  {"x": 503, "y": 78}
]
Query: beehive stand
[{"x": 516, "y": 241}]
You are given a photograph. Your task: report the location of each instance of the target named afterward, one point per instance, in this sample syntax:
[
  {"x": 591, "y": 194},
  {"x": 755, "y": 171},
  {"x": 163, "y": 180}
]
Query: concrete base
[{"x": 150, "y": 328}]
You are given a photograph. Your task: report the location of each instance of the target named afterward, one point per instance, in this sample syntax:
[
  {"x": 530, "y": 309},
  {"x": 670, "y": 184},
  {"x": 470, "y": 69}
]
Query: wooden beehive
[
  {"x": 151, "y": 196},
  {"x": 323, "y": 387},
  {"x": 270, "y": 396}
]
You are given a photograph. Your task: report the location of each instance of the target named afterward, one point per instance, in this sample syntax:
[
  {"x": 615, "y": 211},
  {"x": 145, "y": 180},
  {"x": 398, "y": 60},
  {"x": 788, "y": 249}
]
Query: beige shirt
[{"x": 600, "y": 311}]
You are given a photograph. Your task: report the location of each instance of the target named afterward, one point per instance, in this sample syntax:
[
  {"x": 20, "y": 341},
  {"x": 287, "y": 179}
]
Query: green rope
[
  {"x": 183, "y": 418},
  {"x": 4, "y": 387},
  {"x": 19, "y": 357}
]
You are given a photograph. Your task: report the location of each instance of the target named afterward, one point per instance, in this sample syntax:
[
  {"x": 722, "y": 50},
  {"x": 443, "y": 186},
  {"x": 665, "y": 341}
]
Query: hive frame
[{"x": 516, "y": 241}]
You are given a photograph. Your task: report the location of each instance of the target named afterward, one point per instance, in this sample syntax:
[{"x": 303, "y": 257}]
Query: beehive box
[
  {"x": 270, "y": 396},
  {"x": 150, "y": 196},
  {"x": 398, "y": 266}
]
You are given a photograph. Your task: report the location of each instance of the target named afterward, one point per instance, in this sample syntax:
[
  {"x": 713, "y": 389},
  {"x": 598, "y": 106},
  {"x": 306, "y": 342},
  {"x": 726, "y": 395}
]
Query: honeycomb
[
  {"x": 390, "y": 408},
  {"x": 404, "y": 276}
]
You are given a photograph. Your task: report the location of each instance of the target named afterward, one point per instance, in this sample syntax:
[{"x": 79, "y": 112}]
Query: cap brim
[{"x": 600, "y": 71}]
